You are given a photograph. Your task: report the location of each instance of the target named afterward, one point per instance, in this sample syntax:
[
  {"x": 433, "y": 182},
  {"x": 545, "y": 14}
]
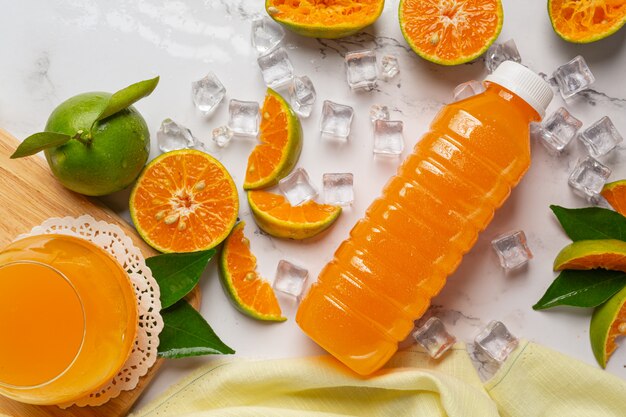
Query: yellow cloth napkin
[{"x": 534, "y": 382}]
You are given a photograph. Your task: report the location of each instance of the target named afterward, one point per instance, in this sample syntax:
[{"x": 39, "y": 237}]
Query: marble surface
[{"x": 53, "y": 50}]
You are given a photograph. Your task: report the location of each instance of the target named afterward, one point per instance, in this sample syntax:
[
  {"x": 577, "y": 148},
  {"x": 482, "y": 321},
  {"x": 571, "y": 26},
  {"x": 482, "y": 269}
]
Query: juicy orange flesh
[
  {"x": 582, "y": 19},
  {"x": 618, "y": 329},
  {"x": 198, "y": 195},
  {"x": 265, "y": 159},
  {"x": 616, "y": 196},
  {"x": 278, "y": 207},
  {"x": 611, "y": 261},
  {"x": 449, "y": 30},
  {"x": 252, "y": 290},
  {"x": 325, "y": 12}
]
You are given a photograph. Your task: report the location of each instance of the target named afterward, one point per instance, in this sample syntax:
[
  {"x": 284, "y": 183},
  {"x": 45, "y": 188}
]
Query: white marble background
[{"x": 50, "y": 51}]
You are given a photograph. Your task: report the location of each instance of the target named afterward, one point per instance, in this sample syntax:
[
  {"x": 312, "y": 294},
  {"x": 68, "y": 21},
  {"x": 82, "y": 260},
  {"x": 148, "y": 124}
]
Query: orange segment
[
  {"x": 250, "y": 293},
  {"x": 184, "y": 201},
  {"x": 280, "y": 147},
  {"x": 583, "y": 21},
  {"x": 615, "y": 194},
  {"x": 274, "y": 214},
  {"x": 590, "y": 254},
  {"x": 608, "y": 323},
  {"x": 450, "y": 32}
]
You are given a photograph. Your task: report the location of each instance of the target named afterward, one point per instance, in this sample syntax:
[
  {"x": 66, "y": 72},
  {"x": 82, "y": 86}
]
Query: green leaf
[
  {"x": 591, "y": 223},
  {"x": 127, "y": 96},
  {"x": 582, "y": 288},
  {"x": 178, "y": 273},
  {"x": 186, "y": 333},
  {"x": 38, "y": 142}
]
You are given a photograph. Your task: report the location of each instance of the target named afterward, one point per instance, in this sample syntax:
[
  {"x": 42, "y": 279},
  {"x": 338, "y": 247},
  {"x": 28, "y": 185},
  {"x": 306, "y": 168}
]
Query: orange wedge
[
  {"x": 250, "y": 294},
  {"x": 615, "y": 193},
  {"x": 607, "y": 324}
]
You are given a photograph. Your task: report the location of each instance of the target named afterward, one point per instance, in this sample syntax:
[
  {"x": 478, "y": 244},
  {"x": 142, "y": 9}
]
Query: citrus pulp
[
  {"x": 615, "y": 194},
  {"x": 582, "y": 21}
]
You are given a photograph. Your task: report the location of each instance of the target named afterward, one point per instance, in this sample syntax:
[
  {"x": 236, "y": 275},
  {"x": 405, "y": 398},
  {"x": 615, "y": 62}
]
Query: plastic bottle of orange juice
[{"x": 399, "y": 255}]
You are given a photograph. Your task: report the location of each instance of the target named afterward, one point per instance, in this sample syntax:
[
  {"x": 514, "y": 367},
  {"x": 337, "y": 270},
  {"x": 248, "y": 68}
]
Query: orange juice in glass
[{"x": 68, "y": 319}]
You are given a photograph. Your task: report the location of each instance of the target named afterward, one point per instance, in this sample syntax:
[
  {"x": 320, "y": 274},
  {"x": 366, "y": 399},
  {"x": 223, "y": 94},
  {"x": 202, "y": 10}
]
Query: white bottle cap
[{"x": 523, "y": 83}]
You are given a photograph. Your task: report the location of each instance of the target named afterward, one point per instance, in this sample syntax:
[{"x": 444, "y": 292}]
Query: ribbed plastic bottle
[{"x": 399, "y": 255}]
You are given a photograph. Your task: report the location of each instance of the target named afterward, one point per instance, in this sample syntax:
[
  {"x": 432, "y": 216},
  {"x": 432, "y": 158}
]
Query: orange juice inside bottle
[
  {"x": 414, "y": 235},
  {"x": 69, "y": 319}
]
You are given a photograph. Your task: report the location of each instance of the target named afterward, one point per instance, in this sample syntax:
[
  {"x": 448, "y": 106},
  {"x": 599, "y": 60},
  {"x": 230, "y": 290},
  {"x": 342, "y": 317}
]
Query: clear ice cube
[
  {"x": 500, "y": 52},
  {"x": 467, "y": 89},
  {"x": 171, "y": 136},
  {"x": 434, "y": 337},
  {"x": 573, "y": 77},
  {"x": 601, "y": 137},
  {"x": 276, "y": 68},
  {"x": 496, "y": 341},
  {"x": 222, "y": 136},
  {"x": 266, "y": 34},
  {"x": 302, "y": 93},
  {"x": 243, "y": 117},
  {"x": 588, "y": 178},
  {"x": 379, "y": 112},
  {"x": 557, "y": 130},
  {"x": 389, "y": 67},
  {"x": 338, "y": 188},
  {"x": 207, "y": 93},
  {"x": 512, "y": 249},
  {"x": 388, "y": 138},
  {"x": 290, "y": 279},
  {"x": 361, "y": 70},
  {"x": 297, "y": 188},
  {"x": 336, "y": 119}
]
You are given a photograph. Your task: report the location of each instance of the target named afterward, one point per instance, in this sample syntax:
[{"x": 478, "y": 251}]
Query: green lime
[{"x": 108, "y": 157}]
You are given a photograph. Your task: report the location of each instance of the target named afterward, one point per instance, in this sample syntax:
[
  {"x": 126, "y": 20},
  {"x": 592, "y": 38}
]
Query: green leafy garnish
[
  {"x": 38, "y": 142},
  {"x": 591, "y": 223},
  {"x": 127, "y": 96},
  {"x": 186, "y": 333},
  {"x": 588, "y": 288},
  {"x": 178, "y": 273}
]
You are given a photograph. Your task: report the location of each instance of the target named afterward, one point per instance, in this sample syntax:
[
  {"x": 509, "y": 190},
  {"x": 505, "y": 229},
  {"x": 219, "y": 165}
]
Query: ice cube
[
  {"x": 573, "y": 77},
  {"x": 276, "y": 68},
  {"x": 495, "y": 341},
  {"x": 338, "y": 188},
  {"x": 557, "y": 130},
  {"x": 222, "y": 136},
  {"x": 500, "y": 52},
  {"x": 512, "y": 249},
  {"x": 388, "y": 139},
  {"x": 243, "y": 117},
  {"x": 434, "y": 337},
  {"x": 207, "y": 93},
  {"x": 379, "y": 112},
  {"x": 601, "y": 137},
  {"x": 297, "y": 188},
  {"x": 336, "y": 119},
  {"x": 290, "y": 279},
  {"x": 588, "y": 178},
  {"x": 172, "y": 136},
  {"x": 389, "y": 67},
  {"x": 266, "y": 34},
  {"x": 467, "y": 89},
  {"x": 302, "y": 93},
  {"x": 361, "y": 70}
]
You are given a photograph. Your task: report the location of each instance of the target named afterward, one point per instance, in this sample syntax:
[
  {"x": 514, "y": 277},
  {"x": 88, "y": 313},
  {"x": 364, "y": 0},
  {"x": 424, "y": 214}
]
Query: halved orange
[
  {"x": 591, "y": 254},
  {"x": 251, "y": 294},
  {"x": 450, "y": 32},
  {"x": 184, "y": 201},
  {"x": 325, "y": 19},
  {"x": 281, "y": 143},
  {"x": 607, "y": 324},
  {"x": 274, "y": 215},
  {"x": 584, "y": 21},
  {"x": 615, "y": 193}
]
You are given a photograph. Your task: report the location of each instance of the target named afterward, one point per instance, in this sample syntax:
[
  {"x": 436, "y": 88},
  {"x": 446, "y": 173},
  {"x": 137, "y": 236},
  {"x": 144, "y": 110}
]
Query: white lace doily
[{"x": 112, "y": 239}]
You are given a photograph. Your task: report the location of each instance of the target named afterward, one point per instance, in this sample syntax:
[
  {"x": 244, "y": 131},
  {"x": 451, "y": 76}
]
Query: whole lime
[{"x": 101, "y": 159}]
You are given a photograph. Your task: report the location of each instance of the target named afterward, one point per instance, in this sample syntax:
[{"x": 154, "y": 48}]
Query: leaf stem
[{"x": 79, "y": 137}]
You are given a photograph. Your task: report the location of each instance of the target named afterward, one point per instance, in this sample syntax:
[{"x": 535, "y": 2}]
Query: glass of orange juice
[{"x": 68, "y": 319}]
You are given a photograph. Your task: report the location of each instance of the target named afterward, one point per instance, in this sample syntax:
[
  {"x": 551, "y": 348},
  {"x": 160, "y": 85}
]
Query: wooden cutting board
[{"x": 29, "y": 194}]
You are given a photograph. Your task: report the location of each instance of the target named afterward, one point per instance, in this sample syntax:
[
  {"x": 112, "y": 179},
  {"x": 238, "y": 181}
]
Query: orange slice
[
  {"x": 450, "y": 32},
  {"x": 584, "y": 21},
  {"x": 280, "y": 147},
  {"x": 591, "y": 254},
  {"x": 325, "y": 19},
  {"x": 607, "y": 324},
  {"x": 615, "y": 194},
  {"x": 184, "y": 201},
  {"x": 277, "y": 217},
  {"x": 251, "y": 294}
]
